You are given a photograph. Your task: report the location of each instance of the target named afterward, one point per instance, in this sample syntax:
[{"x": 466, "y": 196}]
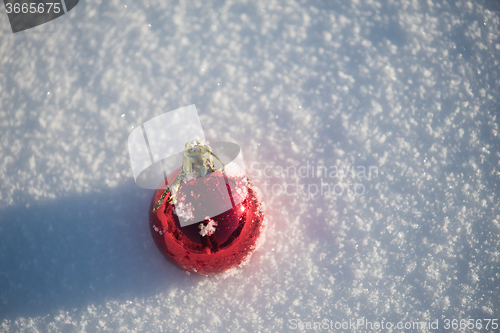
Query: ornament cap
[{"x": 197, "y": 174}]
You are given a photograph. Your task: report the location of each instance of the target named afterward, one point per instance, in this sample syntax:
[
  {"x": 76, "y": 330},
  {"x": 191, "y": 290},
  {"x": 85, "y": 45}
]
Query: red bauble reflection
[{"x": 216, "y": 244}]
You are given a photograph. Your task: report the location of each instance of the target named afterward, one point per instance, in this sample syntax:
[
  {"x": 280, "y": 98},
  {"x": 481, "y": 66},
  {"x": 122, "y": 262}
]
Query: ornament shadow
[{"x": 80, "y": 251}]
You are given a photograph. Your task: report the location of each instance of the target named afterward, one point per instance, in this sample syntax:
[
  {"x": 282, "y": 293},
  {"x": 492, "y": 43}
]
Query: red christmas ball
[{"x": 217, "y": 243}]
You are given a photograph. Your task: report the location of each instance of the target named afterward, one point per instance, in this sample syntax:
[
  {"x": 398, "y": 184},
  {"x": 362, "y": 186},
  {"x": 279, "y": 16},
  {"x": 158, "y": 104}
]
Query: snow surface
[{"x": 407, "y": 90}]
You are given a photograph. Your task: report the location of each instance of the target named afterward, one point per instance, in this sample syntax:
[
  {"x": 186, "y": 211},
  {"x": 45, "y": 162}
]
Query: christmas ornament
[{"x": 207, "y": 221}]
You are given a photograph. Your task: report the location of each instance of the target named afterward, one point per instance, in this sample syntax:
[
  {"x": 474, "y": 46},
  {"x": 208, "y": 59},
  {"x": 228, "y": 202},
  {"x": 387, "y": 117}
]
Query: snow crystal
[
  {"x": 185, "y": 211},
  {"x": 209, "y": 228}
]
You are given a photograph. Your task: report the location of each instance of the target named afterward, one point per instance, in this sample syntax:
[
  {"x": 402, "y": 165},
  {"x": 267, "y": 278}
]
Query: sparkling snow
[{"x": 409, "y": 88}]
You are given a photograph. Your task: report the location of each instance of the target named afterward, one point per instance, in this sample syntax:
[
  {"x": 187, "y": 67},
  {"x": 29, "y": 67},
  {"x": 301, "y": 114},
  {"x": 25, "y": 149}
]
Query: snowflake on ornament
[
  {"x": 183, "y": 210},
  {"x": 207, "y": 228}
]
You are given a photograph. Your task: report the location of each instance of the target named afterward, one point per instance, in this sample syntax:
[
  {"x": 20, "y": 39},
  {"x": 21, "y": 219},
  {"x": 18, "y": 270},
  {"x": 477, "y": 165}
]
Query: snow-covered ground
[{"x": 405, "y": 93}]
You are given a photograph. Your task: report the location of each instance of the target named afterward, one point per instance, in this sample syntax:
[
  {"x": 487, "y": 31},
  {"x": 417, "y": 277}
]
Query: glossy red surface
[{"x": 234, "y": 239}]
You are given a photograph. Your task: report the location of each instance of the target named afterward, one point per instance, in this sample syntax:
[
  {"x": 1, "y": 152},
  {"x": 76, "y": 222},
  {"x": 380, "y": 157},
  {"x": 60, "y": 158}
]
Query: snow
[
  {"x": 407, "y": 87},
  {"x": 209, "y": 228},
  {"x": 184, "y": 210}
]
